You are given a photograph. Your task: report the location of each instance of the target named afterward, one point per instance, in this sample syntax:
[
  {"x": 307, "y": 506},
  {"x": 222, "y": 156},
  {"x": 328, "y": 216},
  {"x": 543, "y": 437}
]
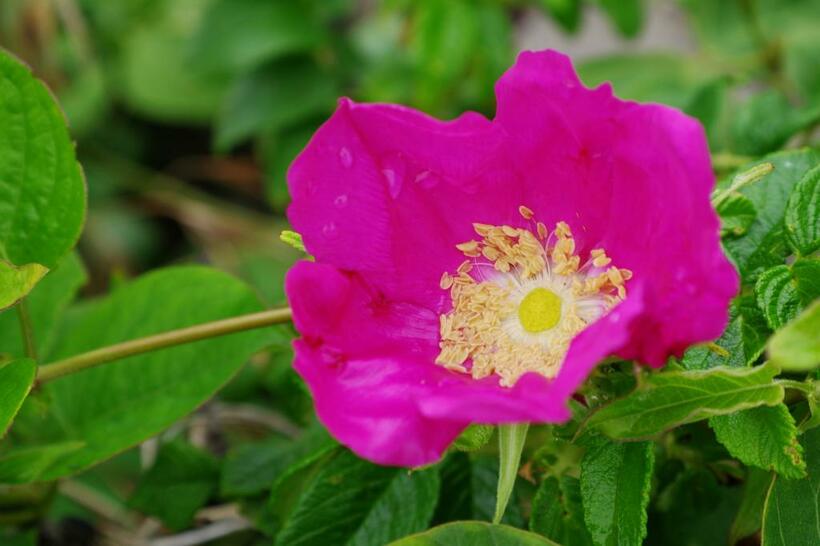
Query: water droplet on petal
[
  {"x": 427, "y": 179},
  {"x": 345, "y": 157},
  {"x": 340, "y": 201},
  {"x": 329, "y": 229},
  {"x": 393, "y": 182}
]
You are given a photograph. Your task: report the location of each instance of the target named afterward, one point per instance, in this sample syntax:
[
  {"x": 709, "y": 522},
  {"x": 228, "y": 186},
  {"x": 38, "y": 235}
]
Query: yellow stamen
[{"x": 524, "y": 317}]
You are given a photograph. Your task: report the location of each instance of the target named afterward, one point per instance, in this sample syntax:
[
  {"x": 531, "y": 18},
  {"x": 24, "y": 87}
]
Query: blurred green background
[{"x": 188, "y": 112}]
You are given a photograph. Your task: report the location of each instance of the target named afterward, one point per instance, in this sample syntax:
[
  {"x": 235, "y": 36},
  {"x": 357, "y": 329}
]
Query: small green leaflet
[
  {"x": 803, "y": 214},
  {"x": 670, "y": 399},
  {"x": 17, "y": 282},
  {"x": 474, "y": 533},
  {"x": 783, "y": 290},
  {"x": 43, "y": 206},
  {"x": 44, "y": 304},
  {"x": 791, "y": 515},
  {"x": 615, "y": 482},
  {"x": 796, "y": 348},
  {"x": 740, "y": 344},
  {"x": 763, "y": 245},
  {"x": 736, "y": 215},
  {"x": 474, "y": 437},
  {"x": 16, "y": 378},
  {"x": 765, "y": 437}
]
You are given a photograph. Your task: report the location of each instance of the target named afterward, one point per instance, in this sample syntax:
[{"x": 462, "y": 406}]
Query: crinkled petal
[
  {"x": 382, "y": 194},
  {"x": 634, "y": 179}
]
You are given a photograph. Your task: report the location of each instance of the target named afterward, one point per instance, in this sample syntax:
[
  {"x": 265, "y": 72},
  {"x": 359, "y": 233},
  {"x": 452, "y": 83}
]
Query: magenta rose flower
[{"x": 476, "y": 271}]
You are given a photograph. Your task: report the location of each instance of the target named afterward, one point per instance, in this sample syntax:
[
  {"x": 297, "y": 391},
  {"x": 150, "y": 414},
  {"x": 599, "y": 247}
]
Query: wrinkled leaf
[
  {"x": 803, "y": 214},
  {"x": 763, "y": 245},
  {"x": 615, "y": 482},
  {"x": 764, "y": 437},
  {"x": 669, "y": 399}
]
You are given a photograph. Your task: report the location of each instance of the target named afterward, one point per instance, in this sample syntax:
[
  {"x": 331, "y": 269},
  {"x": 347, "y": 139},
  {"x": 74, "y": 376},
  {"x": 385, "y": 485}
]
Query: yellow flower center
[
  {"x": 539, "y": 310},
  {"x": 520, "y": 298}
]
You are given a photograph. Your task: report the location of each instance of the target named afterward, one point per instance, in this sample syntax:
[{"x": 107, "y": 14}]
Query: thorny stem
[
  {"x": 26, "y": 330},
  {"x": 160, "y": 341}
]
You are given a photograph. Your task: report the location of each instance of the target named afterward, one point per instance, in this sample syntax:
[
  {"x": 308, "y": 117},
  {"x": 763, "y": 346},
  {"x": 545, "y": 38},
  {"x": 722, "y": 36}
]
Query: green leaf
[
  {"x": 777, "y": 296},
  {"x": 615, "y": 482},
  {"x": 42, "y": 190},
  {"x": 511, "y": 440},
  {"x": 557, "y": 512},
  {"x": 803, "y": 214},
  {"x": 740, "y": 344},
  {"x": 763, "y": 245},
  {"x": 566, "y": 13},
  {"x": 469, "y": 486},
  {"x": 16, "y": 378},
  {"x": 792, "y": 512},
  {"x": 749, "y": 515},
  {"x": 670, "y": 399},
  {"x": 17, "y": 282},
  {"x": 693, "y": 510},
  {"x": 766, "y": 121},
  {"x": 113, "y": 407},
  {"x": 474, "y": 437},
  {"x": 179, "y": 483},
  {"x": 349, "y": 501},
  {"x": 783, "y": 291},
  {"x": 252, "y": 469},
  {"x": 274, "y": 97},
  {"x": 45, "y": 304},
  {"x": 765, "y": 437},
  {"x": 237, "y": 35},
  {"x": 796, "y": 348},
  {"x": 474, "y": 533},
  {"x": 736, "y": 215},
  {"x": 627, "y": 15}
]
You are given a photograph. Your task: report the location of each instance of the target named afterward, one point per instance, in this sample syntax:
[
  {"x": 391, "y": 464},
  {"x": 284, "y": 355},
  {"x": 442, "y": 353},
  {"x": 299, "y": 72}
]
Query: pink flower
[{"x": 584, "y": 230}]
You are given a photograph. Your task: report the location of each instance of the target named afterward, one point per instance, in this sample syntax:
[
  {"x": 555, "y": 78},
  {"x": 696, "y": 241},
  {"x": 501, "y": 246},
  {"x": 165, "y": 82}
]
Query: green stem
[
  {"x": 741, "y": 180},
  {"x": 805, "y": 388},
  {"x": 159, "y": 341},
  {"x": 26, "y": 330}
]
